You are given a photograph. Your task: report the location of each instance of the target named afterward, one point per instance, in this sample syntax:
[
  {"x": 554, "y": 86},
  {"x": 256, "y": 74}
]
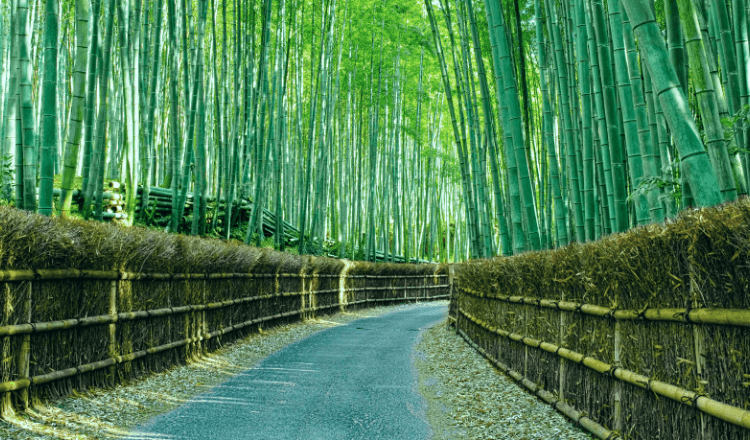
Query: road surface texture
[{"x": 355, "y": 381}]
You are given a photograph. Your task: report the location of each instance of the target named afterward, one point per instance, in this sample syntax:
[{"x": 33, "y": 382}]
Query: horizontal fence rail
[
  {"x": 728, "y": 413},
  {"x": 126, "y": 336},
  {"x": 483, "y": 333},
  {"x": 733, "y": 317}
]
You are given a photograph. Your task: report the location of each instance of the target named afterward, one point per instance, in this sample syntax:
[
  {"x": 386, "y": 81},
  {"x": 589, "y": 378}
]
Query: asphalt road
[{"x": 354, "y": 381}]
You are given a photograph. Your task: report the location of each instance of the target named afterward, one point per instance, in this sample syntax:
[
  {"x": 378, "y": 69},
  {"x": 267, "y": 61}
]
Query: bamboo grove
[
  {"x": 441, "y": 130},
  {"x": 597, "y": 123}
]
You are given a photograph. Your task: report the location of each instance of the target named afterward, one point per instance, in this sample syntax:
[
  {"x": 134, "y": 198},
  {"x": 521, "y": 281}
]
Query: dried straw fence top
[
  {"x": 646, "y": 267},
  {"x": 607, "y": 326},
  {"x": 29, "y": 241}
]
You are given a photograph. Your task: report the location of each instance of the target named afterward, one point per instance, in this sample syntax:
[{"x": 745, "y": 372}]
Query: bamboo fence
[
  {"x": 641, "y": 335},
  {"x": 483, "y": 334},
  {"x": 130, "y": 324}
]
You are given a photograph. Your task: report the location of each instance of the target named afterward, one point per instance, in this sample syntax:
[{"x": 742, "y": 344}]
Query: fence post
[
  {"x": 23, "y": 353},
  {"x": 112, "y": 345},
  {"x": 5, "y": 355},
  {"x": 189, "y": 329},
  {"x": 617, "y": 422},
  {"x": 450, "y": 282},
  {"x": 125, "y": 291},
  {"x": 202, "y": 325},
  {"x": 561, "y": 376},
  {"x": 303, "y": 295},
  {"x": 698, "y": 342}
]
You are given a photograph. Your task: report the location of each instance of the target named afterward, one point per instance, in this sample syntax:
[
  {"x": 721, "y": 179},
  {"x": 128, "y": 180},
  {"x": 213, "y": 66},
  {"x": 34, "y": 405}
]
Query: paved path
[{"x": 350, "y": 382}]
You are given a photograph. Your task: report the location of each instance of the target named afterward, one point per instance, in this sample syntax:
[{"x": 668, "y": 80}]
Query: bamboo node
[
  {"x": 611, "y": 371},
  {"x": 642, "y": 313},
  {"x": 691, "y": 400}
]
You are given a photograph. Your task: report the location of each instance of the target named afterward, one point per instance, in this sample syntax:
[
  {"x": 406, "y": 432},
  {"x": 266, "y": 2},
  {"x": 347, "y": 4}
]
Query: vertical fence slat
[
  {"x": 698, "y": 339},
  {"x": 617, "y": 424},
  {"x": 5, "y": 360},
  {"x": 125, "y": 292},
  {"x": 24, "y": 352},
  {"x": 112, "y": 343},
  {"x": 562, "y": 362}
]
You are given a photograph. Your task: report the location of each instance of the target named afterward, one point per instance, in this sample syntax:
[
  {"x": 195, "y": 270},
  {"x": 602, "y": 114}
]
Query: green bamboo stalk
[
  {"x": 489, "y": 136},
  {"x": 466, "y": 95},
  {"x": 741, "y": 23},
  {"x": 519, "y": 239},
  {"x": 97, "y": 159},
  {"x": 506, "y": 245},
  {"x": 76, "y": 115},
  {"x": 694, "y": 159},
  {"x": 10, "y": 110},
  {"x": 90, "y": 103},
  {"x": 650, "y": 166},
  {"x": 25, "y": 109},
  {"x": 149, "y": 135},
  {"x": 602, "y": 154},
  {"x": 549, "y": 142},
  {"x": 49, "y": 104},
  {"x": 567, "y": 116},
  {"x": 616, "y": 149},
  {"x": 734, "y": 89},
  {"x": 308, "y": 177},
  {"x": 584, "y": 78},
  {"x": 707, "y": 101},
  {"x": 459, "y": 137},
  {"x": 201, "y": 187},
  {"x": 174, "y": 127},
  {"x": 635, "y": 164}
]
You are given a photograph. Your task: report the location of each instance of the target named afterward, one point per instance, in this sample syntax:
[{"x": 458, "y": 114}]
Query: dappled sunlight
[
  {"x": 324, "y": 322},
  {"x": 213, "y": 401},
  {"x": 26, "y": 426},
  {"x": 149, "y": 436},
  {"x": 57, "y": 423}
]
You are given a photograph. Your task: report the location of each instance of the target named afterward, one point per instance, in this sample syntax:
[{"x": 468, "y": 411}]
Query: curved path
[{"x": 350, "y": 382}]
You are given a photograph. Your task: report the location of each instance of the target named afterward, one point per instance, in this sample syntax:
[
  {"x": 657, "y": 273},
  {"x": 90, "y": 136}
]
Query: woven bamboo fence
[
  {"x": 68, "y": 323},
  {"x": 641, "y": 335}
]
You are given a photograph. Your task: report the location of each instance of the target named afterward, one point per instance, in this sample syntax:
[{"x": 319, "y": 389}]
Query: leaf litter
[
  {"x": 467, "y": 398},
  {"x": 113, "y": 413}
]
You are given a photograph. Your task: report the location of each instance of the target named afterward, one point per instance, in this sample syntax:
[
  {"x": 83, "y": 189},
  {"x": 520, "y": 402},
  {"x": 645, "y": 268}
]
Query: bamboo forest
[{"x": 441, "y": 130}]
